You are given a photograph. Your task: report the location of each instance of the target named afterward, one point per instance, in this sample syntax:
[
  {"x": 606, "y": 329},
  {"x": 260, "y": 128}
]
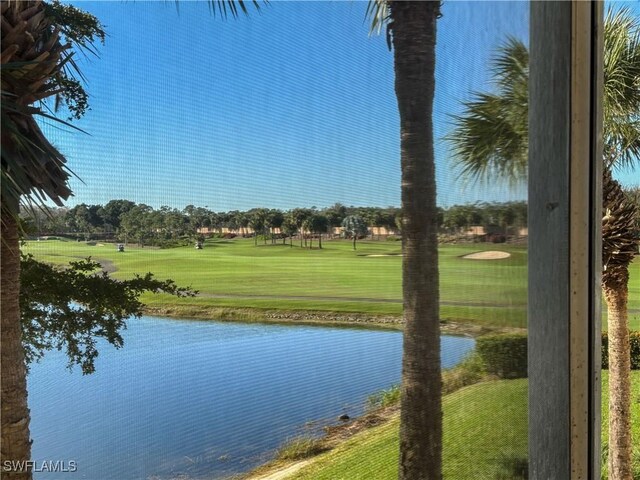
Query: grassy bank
[
  {"x": 474, "y": 441},
  {"x": 485, "y": 436}
]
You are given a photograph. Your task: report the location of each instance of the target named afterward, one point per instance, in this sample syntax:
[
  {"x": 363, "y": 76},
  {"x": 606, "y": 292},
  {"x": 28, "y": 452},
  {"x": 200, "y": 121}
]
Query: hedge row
[
  {"x": 634, "y": 337},
  {"x": 505, "y": 356}
]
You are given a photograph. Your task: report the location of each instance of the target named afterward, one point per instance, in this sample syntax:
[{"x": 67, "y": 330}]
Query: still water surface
[{"x": 194, "y": 400}]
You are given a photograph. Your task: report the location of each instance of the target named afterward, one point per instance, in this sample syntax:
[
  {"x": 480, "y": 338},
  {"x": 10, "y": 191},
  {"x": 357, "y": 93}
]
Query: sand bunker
[{"x": 488, "y": 255}]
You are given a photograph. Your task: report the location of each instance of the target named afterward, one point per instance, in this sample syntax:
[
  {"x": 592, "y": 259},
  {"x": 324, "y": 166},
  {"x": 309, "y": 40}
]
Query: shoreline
[
  {"x": 333, "y": 437},
  {"x": 315, "y": 318}
]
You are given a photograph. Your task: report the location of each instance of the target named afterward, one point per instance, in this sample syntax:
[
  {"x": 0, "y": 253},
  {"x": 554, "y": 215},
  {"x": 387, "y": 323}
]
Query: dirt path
[{"x": 283, "y": 472}]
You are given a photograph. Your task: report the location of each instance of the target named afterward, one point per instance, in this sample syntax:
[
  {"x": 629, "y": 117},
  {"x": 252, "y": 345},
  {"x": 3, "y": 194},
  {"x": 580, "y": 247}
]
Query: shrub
[
  {"x": 384, "y": 398},
  {"x": 634, "y": 338},
  {"x": 173, "y": 243},
  {"x": 496, "y": 238},
  {"x": 504, "y": 356},
  {"x": 299, "y": 448},
  {"x": 469, "y": 371},
  {"x": 512, "y": 467}
]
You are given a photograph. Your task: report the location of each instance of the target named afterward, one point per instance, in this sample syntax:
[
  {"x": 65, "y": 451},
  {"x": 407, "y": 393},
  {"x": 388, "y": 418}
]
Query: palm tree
[
  {"x": 258, "y": 222},
  {"x": 316, "y": 224},
  {"x": 413, "y": 29},
  {"x": 275, "y": 219},
  {"x": 36, "y": 64},
  {"x": 289, "y": 228},
  {"x": 490, "y": 140},
  {"x": 299, "y": 215}
]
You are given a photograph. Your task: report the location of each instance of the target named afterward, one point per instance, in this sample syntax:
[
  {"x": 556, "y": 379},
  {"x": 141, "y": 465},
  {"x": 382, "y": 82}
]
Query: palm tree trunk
[
  {"x": 620, "y": 446},
  {"x": 414, "y": 36},
  {"x": 619, "y": 247},
  {"x": 320, "y": 241},
  {"x": 16, "y": 446}
]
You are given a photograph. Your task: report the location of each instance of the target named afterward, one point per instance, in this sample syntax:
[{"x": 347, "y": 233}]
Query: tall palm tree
[
  {"x": 490, "y": 140},
  {"x": 412, "y": 27},
  {"x": 36, "y": 64}
]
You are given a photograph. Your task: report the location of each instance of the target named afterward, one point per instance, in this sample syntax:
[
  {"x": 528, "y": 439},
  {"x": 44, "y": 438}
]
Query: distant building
[
  {"x": 475, "y": 231},
  {"x": 481, "y": 231}
]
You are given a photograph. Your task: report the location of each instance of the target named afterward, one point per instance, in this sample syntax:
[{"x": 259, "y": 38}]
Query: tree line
[{"x": 125, "y": 220}]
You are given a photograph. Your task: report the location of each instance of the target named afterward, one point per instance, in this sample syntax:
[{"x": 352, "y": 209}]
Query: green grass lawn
[
  {"x": 485, "y": 427},
  {"x": 332, "y": 279}
]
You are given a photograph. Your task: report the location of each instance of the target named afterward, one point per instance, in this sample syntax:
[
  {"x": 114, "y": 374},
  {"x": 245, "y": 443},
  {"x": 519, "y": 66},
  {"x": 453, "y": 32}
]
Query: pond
[{"x": 202, "y": 399}]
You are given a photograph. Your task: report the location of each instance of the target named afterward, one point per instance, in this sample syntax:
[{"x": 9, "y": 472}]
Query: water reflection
[{"x": 206, "y": 399}]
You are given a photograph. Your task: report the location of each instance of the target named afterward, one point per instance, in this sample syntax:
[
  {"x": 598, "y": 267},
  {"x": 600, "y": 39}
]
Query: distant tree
[
  {"x": 44, "y": 221},
  {"x": 243, "y": 220},
  {"x": 85, "y": 219},
  {"x": 398, "y": 221},
  {"x": 384, "y": 218},
  {"x": 258, "y": 218},
  {"x": 316, "y": 224},
  {"x": 306, "y": 227},
  {"x": 335, "y": 214},
  {"x": 176, "y": 225},
  {"x": 520, "y": 210},
  {"x": 196, "y": 217},
  {"x": 299, "y": 215},
  {"x": 232, "y": 220},
  {"x": 289, "y": 228},
  {"x": 71, "y": 308},
  {"x": 113, "y": 211},
  {"x": 275, "y": 219},
  {"x": 136, "y": 224},
  {"x": 354, "y": 227}
]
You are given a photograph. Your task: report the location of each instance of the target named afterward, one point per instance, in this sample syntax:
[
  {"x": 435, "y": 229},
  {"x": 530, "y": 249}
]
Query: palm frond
[
  {"x": 233, "y": 8},
  {"x": 378, "y": 13},
  {"x": 621, "y": 100},
  {"x": 37, "y": 63},
  {"x": 510, "y": 64},
  {"x": 32, "y": 168},
  {"x": 622, "y": 143},
  {"x": 490, "y": 137}
]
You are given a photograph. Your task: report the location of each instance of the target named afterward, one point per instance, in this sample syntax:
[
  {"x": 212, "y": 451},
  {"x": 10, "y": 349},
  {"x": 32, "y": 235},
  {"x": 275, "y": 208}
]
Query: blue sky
[{"x": 293, "y": 106}]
